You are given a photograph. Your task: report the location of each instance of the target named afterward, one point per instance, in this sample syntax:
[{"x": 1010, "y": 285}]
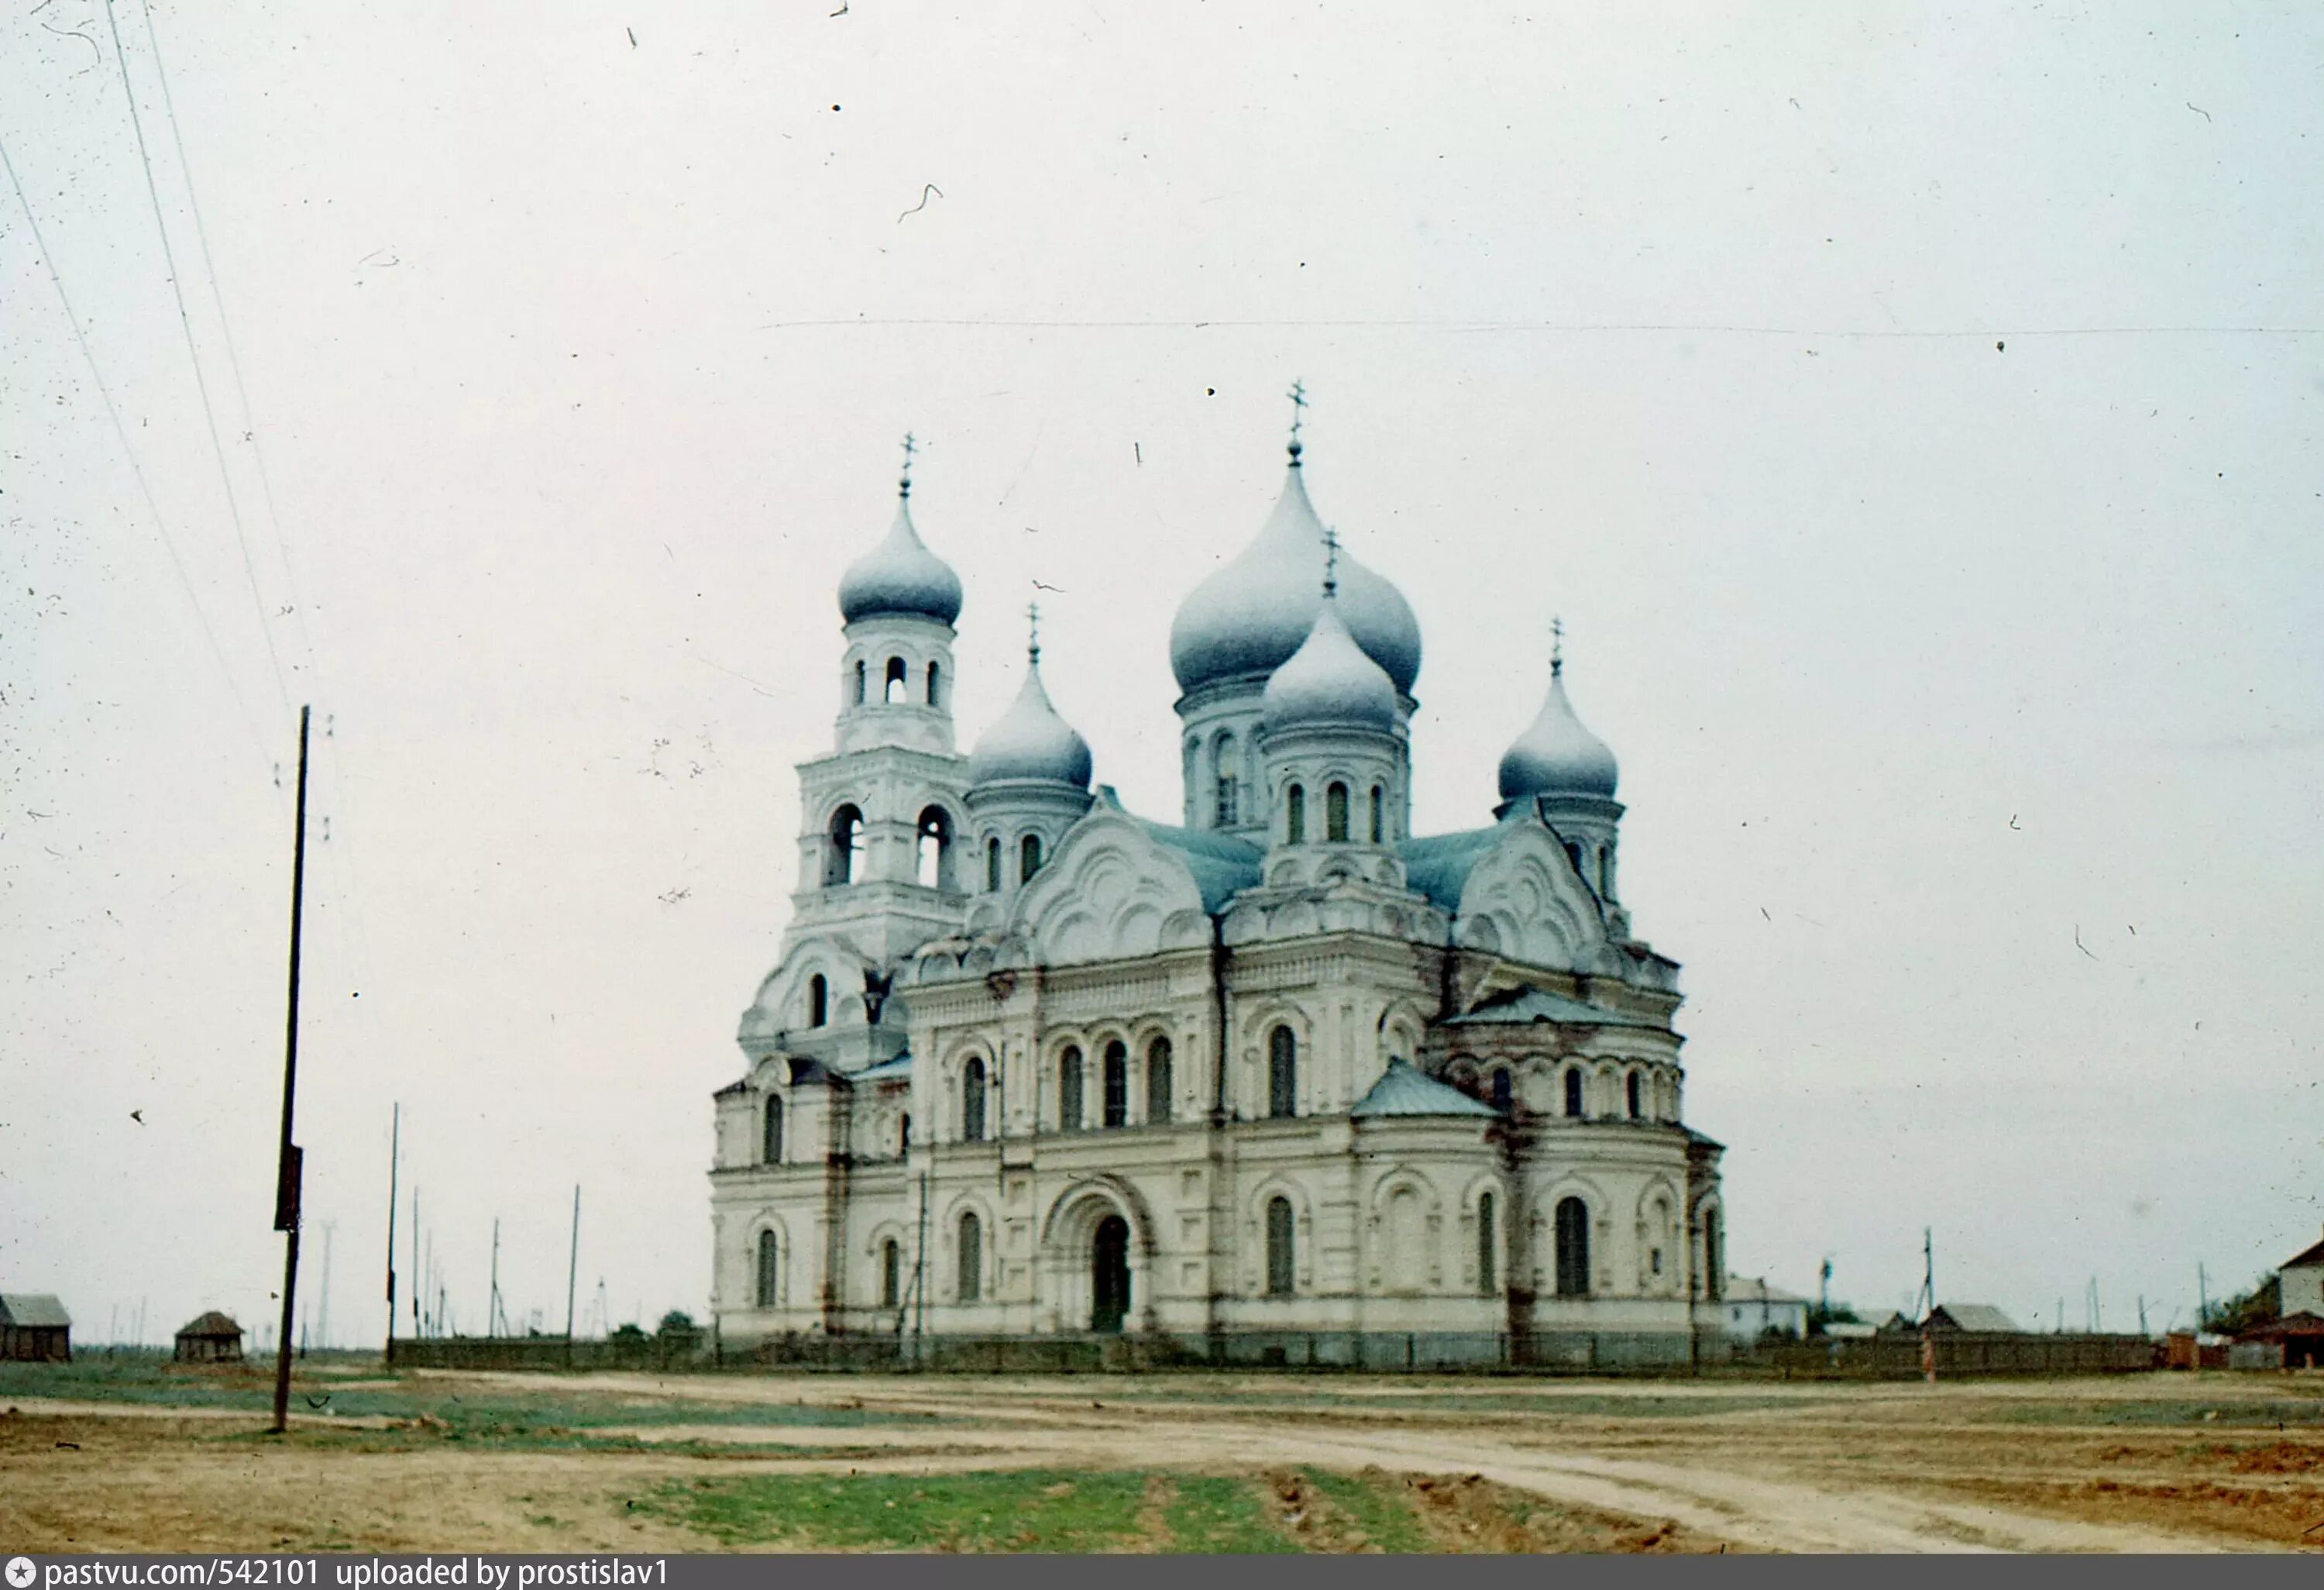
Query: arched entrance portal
[{"x": 1110, "y": 1274}]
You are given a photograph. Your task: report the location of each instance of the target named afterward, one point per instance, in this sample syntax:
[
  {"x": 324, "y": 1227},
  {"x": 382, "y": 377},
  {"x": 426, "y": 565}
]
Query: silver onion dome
[
  {"x": 1556, "y": 755},
  {"x": 1329, "y": 681},
  {"x": 1031, "y": 740},
  {"x": 1248, "y": 617},
  {"x": 901, "y": 576}
]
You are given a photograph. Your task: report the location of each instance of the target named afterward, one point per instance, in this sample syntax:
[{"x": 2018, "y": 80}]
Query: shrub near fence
[
  {"x": 680, "y": 1350},
  {"x": 1897, "y": 1355}
]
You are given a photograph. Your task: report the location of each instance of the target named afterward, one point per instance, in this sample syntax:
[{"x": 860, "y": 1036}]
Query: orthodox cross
[
  {"x": 1033, "y": 631},
  {"x": 910, "y": 447},
  {"x": 1298, "y": 415},
  {"x": 1331, "y": 563},
  {"x": 1556, "y": 646}
]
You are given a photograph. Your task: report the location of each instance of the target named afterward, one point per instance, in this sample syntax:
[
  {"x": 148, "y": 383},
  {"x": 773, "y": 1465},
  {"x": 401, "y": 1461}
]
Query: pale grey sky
[{"x": 1914, "y": 413}]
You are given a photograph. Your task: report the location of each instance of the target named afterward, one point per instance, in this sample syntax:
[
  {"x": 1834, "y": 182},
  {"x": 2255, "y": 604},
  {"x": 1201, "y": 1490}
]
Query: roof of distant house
[
  {"x": 210, "y": 1324},
  {"x": 2304, "y": 1258},
  {"x": 1752, "y": 1288},
  {"x": 1971, "y": 1317},
  {"x": 32, "y": 1310}
]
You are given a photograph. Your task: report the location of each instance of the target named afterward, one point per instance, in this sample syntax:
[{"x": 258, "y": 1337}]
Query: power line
[
  {"x": 145, "y": 487},
  {"x": 201, "y": 383}
]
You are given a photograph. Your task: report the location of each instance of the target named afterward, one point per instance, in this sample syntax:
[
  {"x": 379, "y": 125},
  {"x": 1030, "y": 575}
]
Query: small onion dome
[
  {"x": 1556, "y": 755},
  {"x": 1251, "y": 615},
  {"x": 901, "y": 576},
  {"x": 1329, "y": 681},
  {"x": 1031, "y": 740}
]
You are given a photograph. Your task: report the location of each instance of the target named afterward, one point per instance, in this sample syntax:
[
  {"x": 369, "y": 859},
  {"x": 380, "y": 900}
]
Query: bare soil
[{"x": 2148, "y": 1463}]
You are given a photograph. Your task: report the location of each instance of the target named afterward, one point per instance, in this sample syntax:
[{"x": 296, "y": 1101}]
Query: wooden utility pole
[
  {"x": 492, "y": 1298},
  {"x": 290, "y": 1166},
  {"x": 572, "y": 1272},
  {"x": 394, "y": 1153}
]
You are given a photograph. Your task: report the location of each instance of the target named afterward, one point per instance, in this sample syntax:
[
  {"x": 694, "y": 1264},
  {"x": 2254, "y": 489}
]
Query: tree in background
[{"x": 2263, "y": 1305}]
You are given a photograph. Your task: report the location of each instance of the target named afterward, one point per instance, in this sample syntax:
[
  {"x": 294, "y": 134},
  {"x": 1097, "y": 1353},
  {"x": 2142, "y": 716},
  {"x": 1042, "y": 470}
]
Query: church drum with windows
[{"x": 1280, "y": 1082}]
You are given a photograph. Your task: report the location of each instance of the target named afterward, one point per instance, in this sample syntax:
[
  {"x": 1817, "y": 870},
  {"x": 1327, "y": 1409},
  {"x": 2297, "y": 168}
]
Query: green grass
[
  {"x": 1033, "y": 1510},
  {"x": 1212, "y": 1514},
  {"x": 1381, "y": 1508},
  {"x": 2287, "y": 1412},
  {"x": 564, "y": 1407}
]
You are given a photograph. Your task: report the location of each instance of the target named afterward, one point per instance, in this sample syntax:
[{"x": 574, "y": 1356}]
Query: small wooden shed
[
  {"x": 209, "y": 1338},
  {"x": 35, "y": 1326}
]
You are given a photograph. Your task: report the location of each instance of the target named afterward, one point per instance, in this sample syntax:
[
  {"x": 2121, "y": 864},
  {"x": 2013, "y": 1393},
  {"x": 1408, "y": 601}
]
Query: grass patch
[
  {"x": 1378, "y": 1504},
  {"x": 1026, "y": 1510},
  {"x": 2275, "y": 1411}
]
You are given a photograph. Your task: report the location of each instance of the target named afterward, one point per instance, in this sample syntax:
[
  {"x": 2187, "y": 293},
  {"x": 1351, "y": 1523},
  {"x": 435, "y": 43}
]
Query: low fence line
[{"x": 1964, "y": 1354}]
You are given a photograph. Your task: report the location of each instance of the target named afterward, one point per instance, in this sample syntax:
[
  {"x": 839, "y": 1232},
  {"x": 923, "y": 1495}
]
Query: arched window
[
  {"x": 1295, "y": 815},
  {"x": 771, "y": 1140},
  {"x": 818, "y": 1000},
  {"x": 1280, "y": 1269},
  {"x": 971, "y": 1258},
  {"x": 1573, "y": 1091},
  {"x": 1116, "y": 1075},
  {"x": 992, "y": 866},
  {"x": 861, "y": 680},
  {"x": 972, "y": 1102},
  {"x": 843, "y": 859},
  {"x": 1631, "y": 1088},
  {"x": 770, "y": 1256},
  {"x": 1225, "y": 801},
  {"x": 899, "y": 683},
  {"x": 1282, "y": 1073},
  {"x": 1573, "y": 855},
  {"x": 935, "y": 856},
  {"x": 1069, "y": 1090},
  {"x": 1714, "y": 1257},
  {"x": 891, "y": 1274},
  {"x": 1500, "y": 1087},
  {"x": 1573, "y": 1248},
  {"x": 1028, "y": 857},
  {"x": 1488, "y": 1251},
  {"x": 935, "y": 672},
  {"x": 1379, "y": 815},
  {"x": 1157, "y": 1080},
  {"x": 1335, "y": 814},
  {"x": 1605, "y": 874}
]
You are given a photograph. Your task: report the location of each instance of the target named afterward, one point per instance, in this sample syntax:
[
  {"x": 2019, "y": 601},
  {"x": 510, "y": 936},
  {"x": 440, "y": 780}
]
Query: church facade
[{"x": 1278, "y": 1082}]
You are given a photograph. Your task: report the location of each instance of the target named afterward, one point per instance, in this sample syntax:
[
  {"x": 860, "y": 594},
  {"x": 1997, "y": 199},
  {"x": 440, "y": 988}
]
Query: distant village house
[
  {"x": 209, "y": 1338},
  {"x": 34, "y": 1328}
]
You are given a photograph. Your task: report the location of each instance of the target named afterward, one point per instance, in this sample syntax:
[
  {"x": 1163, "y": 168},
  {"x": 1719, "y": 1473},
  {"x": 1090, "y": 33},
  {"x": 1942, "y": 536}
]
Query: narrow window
[
  {"x": 1069, "y": 1090},
  {"x": 1488, "y": 1268},
  {"x": 1028, "y": 857},
  {"x": 1117, "y": 1085},
  {"x": 935, "y": 848},
  {"x": 862, "y": 681},
  {"x": 904, "y": 1134},
  {"x": 1573, "y": 855},
  {"x": 934, "y": 673},
  {"x": 972, "y": 1102},
  {"x": 1335, "y": 814},
  {"x": 1224, "y": 814},
  {"x": 843, "y": 852},
  {"x": 1631, "y": 1088},
  {"x": 1279, "y": 1270},
  {"x": 992, "y": 866},
  {"x": 1605, "y": 874},
  {"x": 971, "y": 1258},
  {"x": 818, "y": 1000},
  {"x": 899, "y": 686},
  {"x": 891, "y": 1274},
  {"x": 770, "y": 1269},
  {"x": 770, "y": 1144},
  {"x": 1573, "y": 1091},
  {"x": 1379, "y": 815},
  {"x": 1714, "y": 1258},
  {"x": 1157, "y": 1080},
  {"x": 1500, "y": 1087},
  {"x": 1282, "y": 1073},
  {"x": 1295, "y": 815},
  {"x": 1573, "y": 1248}
]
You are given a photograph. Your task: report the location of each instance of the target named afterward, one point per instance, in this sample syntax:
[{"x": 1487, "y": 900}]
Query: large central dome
[{"x": 1246, "y": 619}]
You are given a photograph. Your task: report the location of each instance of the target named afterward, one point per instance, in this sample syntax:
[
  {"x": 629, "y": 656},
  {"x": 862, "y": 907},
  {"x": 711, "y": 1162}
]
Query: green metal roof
[
  {"x": 1404, "y": 1090},
  {"x": 1439, "y": 865},
  {"x": 1518, "y": 1007}
]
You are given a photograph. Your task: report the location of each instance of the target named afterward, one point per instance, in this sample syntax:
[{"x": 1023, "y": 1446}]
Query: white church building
[{"x": 1278, "y": 1082}]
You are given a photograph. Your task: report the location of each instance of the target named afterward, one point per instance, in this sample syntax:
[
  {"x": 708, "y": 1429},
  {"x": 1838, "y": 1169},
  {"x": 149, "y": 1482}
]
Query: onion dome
[
  {"x": 901, "y": 576},
  {"x": 1556, "y": 755},
  {"x": 1329, "y": 681},
  {"x": 1249, "y": 616},
  {"x": 1031, "y": 740}
]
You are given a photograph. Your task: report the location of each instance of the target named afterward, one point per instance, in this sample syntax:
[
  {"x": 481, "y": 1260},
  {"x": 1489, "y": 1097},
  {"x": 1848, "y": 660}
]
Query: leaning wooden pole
[
  {"x": 290, "y": 1167},
  {"x": 394, "y": 1156}
]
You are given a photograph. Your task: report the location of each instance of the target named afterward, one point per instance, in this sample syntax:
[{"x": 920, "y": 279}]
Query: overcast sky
[{"x": 1914, "y": 414}]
